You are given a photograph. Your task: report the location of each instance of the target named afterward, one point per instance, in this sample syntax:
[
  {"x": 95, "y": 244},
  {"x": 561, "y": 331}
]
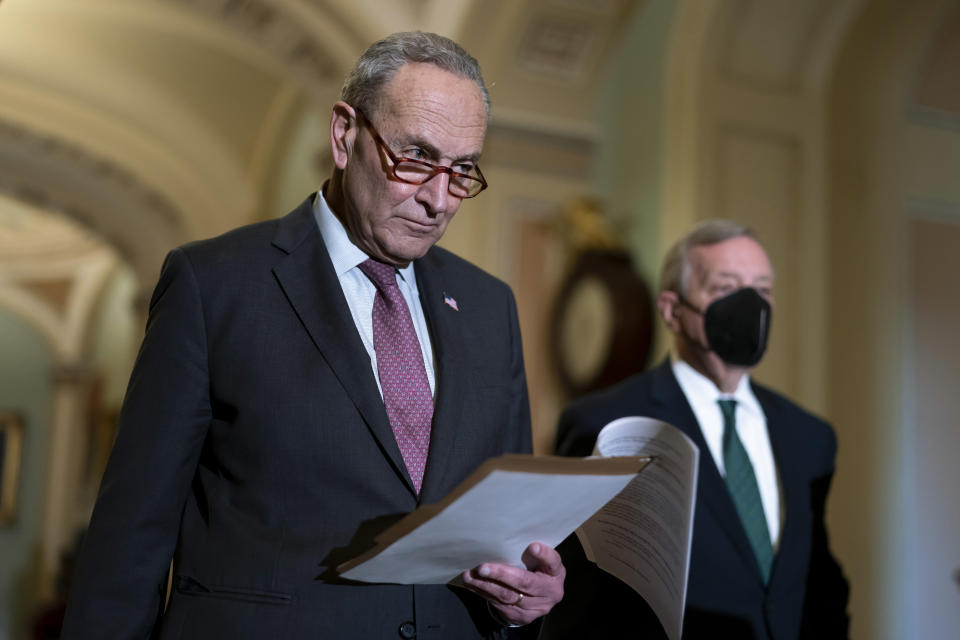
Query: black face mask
[{"x": 737, "y": 326}]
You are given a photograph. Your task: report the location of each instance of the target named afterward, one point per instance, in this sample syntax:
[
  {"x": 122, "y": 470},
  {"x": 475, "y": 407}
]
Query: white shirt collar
[
  {"x": 700, "y": 388},
  {"x": 343, "y": 253}
]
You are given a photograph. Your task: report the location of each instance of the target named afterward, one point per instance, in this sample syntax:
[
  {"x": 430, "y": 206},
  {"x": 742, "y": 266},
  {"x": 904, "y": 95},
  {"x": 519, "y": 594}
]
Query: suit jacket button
[{"x": 408, "y": 631}]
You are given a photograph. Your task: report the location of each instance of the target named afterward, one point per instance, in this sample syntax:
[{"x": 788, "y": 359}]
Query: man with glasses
[{"x": 306, "y": 381}]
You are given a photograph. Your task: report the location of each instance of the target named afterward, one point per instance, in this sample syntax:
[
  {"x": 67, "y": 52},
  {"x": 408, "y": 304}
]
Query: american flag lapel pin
[{"x": 450, "y": 302}]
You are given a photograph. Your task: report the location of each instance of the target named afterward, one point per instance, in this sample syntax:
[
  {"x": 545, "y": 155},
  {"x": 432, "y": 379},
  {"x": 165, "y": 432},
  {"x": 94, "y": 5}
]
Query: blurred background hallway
[{"x": 830, "y": 126}]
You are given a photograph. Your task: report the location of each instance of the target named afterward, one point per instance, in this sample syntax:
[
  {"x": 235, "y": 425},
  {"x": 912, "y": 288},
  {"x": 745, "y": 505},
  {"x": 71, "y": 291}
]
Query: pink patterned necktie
[{"x": 403, "y": 377}]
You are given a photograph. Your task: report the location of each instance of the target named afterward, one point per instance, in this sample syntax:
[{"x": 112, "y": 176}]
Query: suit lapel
[
  {"x": 447, "y": 335},
  {"x": 712, "y": 487},
  {"x": 306, "y": 275}
]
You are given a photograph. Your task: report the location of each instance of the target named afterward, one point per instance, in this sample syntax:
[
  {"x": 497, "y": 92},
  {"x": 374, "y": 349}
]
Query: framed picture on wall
[{"x": 11, "y": 450}]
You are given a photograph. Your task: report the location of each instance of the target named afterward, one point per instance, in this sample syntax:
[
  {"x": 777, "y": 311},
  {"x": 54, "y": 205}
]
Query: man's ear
[
  {"x": 343, "y": 133},
  {"x": 668, "y": 304}
]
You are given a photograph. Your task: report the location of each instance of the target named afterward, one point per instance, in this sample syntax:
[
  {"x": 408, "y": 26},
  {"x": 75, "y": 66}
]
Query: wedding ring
[{"x": 519, "y": 599}]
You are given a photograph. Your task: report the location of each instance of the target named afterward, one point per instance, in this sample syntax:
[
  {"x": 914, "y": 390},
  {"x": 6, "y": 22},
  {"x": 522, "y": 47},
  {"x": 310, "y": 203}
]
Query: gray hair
[
  {"x": 383, "y": 59},
  {"x": 675, "y": 274}
]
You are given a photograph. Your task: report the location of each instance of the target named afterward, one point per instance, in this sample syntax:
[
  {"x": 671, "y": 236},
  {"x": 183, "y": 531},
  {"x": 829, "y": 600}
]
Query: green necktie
[{"x": 742, "y": 484}]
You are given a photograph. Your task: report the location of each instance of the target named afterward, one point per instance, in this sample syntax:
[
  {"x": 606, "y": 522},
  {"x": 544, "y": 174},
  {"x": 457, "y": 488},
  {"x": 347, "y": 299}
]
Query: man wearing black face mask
[{"x": 760, "y": 563}]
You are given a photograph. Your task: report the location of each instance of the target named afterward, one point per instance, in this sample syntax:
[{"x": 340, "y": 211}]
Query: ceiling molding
[
  {"x": 315, "y": 44},
  {"x": 49, "y": 173},
  {"x": 765, "y": 46},
  {"x": 558, "y": 46}
]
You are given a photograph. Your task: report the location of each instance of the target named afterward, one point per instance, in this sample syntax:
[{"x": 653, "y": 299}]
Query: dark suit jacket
[
  {"x": 726, "y": 597},
  {"x": 255, "y": 451}
]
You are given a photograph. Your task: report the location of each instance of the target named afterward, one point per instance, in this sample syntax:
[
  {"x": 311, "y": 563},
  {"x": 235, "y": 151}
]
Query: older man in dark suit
[
  {"x": 306, "y": 381},
  {"x": 760, "y": 565}
]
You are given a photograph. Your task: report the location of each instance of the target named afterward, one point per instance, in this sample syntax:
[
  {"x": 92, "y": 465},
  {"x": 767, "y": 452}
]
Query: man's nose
[{"x": 435, "y": 194}]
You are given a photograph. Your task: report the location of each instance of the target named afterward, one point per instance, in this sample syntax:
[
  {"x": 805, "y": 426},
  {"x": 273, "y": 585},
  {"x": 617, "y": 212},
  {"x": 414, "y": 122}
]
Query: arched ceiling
[{"x": 157, "y": 121}]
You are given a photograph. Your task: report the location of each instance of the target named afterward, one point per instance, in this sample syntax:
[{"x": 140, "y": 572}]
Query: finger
[
  {"x": 502, "y": 578},
  {"x": 500, "y": 581},
  {"x": 503, "y": 584},
  {"x": 542, "y": 558},
  {"x": 493, "y": 585},
  {"x": 536, "y": 600}
]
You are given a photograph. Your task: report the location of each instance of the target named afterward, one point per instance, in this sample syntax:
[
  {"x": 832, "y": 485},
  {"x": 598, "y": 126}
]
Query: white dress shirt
[
  {"x": 702, "y": 394},
  {"x": 360, "y": 291}
]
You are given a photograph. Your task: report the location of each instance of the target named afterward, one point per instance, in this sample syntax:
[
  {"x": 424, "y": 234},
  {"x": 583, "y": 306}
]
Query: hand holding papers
[
  {"x": 636, "y": 517},
  {"x": 520, "y": 596},
  {"x": 493, "y": 516}
]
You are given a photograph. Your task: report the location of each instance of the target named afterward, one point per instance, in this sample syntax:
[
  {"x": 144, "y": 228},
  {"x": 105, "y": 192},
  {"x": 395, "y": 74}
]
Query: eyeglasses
[{"x": 411, "y": 171}]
